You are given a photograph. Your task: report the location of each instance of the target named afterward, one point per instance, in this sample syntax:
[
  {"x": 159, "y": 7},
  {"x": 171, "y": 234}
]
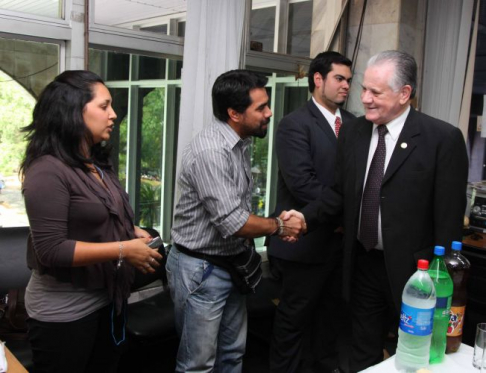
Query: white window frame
[
  {"x": 167, "y": 46},
  {"x": 36, "y": 26}
]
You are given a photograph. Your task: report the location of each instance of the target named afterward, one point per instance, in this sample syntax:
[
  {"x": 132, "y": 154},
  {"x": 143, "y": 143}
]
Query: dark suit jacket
[
  {"x": 423, "y": 194},
  {"x": 306, "y": 150}
]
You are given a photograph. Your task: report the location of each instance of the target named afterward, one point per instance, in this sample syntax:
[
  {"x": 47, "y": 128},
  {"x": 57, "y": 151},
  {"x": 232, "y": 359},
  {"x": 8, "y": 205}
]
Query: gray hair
[{"x": 405, "y": 69}]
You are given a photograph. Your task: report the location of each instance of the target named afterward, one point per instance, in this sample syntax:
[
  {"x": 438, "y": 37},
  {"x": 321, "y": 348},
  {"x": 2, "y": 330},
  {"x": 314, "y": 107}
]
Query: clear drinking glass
[
  {"x": 483, "y": 362},
  {"x": 479, "y": 347}
]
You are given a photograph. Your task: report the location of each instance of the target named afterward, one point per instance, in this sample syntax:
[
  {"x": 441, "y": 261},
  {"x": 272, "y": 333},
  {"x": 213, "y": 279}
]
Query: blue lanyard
[
  {"x": 100, "y": 171},
  {"x": 124, "y": 310}
]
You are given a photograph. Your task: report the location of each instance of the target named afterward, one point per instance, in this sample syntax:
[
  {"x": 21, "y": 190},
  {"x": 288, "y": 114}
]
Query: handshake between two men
[{"x": 291, "y": 225}]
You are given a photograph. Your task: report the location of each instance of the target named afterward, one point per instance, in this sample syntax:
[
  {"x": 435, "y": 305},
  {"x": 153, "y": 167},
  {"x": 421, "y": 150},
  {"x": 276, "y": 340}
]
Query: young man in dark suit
[
  {"x": 310, "y": 270},
  {"x": 394, "y": 217}
]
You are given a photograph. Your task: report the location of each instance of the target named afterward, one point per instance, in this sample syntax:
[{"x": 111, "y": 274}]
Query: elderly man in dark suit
[
  {"x": 306, "y": 144},
  {"x": 401, "y": 183}
]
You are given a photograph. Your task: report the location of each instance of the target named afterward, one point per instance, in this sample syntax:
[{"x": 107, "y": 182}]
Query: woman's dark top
[{"x": 65, "y": 205}]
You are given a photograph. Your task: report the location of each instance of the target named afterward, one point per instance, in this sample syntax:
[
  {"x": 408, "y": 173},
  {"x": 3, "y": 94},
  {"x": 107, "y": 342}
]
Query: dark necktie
[
  {"x": 337, "y": 126},
  {"x": 370, "y": 205}
]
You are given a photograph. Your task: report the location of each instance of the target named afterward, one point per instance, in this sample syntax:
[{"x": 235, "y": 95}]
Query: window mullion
[
  {"x": 168, "y": 162},
  {"x": 133, "y": 142},
  {"x": 282, "y": 26},
  {"x": 278, "y": 108}
]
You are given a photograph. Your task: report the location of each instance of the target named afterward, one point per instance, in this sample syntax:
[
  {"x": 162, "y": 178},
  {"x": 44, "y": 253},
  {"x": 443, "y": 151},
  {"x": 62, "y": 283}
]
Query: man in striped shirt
[{"x": 213, "y": 221}]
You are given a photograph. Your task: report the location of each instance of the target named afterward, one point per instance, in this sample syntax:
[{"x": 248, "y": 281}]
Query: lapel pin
[{"x": 403, "y": 145}]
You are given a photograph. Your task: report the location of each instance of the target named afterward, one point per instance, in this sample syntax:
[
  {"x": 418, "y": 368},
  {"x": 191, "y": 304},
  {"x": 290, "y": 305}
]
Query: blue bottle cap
[
  {"x": 439, "y": 250},
  {"x": 456, "y": 245}
]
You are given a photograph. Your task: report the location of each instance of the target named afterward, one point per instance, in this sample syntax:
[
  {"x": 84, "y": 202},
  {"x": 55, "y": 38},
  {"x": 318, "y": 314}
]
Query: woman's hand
[{"x": 138, "y": 254}]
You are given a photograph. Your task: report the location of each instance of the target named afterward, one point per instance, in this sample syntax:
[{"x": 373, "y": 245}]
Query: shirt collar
[
  {"x": 330, "y": 117},
  {"x": 395, "y": 126},
  {"x": 230, "y": 135}
]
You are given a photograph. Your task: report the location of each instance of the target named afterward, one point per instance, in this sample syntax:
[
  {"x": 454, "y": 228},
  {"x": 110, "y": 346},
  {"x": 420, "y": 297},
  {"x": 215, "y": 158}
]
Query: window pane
[
  {"x": 149, "y": 15},
  {"x": 259, "y": 162},
  {"x": 300, "y": 25},
  {"x": 262, "y": 29},
  {"x": 178, "y": 70},
  {"x": 17, "y": 105},
  {"x": 151, "y": 156},
  {"x": 32, "y": 64},
  {"x": 476, "y": 138},
  {"x": 181, "y": 29},
  {"x": 109, "y": 65},
  {"x": 140, "y": 155},
  {"x": 25, "y": 69},
  {"x": 45, "y": 8},
  {"x": 160, "y": 29},
  {"x": 119, "y": 135},
  {"x": 295, "y": 97},
  {"x": 259, "y": 165},
  {"x": 97, "y": 62},
  {"x": 151, "y": 68}
]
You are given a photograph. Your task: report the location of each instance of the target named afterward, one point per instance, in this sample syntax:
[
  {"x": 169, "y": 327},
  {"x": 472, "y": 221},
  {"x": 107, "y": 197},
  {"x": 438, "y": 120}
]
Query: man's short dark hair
[
  {"x": 232, "y": 90},
  {"x": 322, "y": 64}
]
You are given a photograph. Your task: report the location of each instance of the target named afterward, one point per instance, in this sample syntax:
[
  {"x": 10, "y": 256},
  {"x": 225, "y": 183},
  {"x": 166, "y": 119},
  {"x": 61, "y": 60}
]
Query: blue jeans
[{"x": 210, "y": 315}]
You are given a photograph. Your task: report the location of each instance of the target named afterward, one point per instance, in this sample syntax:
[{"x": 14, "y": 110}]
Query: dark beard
[{"x": 262, "y": 132}]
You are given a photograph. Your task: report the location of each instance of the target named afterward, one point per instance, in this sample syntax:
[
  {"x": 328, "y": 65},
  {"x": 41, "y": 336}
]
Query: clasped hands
[{"x": 294, "y": 225}]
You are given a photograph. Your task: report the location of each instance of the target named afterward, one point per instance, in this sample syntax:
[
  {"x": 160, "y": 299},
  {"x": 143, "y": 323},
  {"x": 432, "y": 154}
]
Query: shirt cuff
[{"x": 233, "y": 222}]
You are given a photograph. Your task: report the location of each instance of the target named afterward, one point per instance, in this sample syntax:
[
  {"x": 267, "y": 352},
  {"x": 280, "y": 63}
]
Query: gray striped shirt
[{"x": 215, "y": 184}]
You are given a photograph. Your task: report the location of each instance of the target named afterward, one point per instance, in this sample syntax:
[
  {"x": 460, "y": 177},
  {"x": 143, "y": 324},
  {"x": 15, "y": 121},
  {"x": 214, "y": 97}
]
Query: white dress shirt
[
  {"x": 394, "y": 129},
  {"x": 330, "y": 117}
]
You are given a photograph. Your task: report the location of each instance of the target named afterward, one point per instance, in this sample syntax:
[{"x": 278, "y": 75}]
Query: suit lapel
[
  {"x": 406, "y": 143},
  {"x": 346, "y": 116},
  {"x": 362, "y": 150},
  {"x": 321, "y": 121}
]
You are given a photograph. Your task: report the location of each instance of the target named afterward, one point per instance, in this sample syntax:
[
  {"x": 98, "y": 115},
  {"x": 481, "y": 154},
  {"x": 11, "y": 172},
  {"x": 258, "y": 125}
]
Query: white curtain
[
  {"x": 212, "y": 45},
  {"x": 469, "y": 81},
  {"x": 446, "y": 54}
]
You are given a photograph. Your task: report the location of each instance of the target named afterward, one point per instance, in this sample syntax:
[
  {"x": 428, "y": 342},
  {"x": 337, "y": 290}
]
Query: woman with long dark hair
[{"x": 84, "y": 246}]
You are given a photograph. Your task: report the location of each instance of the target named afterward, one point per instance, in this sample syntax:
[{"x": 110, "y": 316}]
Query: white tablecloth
[{"x": 458, "y": 362}]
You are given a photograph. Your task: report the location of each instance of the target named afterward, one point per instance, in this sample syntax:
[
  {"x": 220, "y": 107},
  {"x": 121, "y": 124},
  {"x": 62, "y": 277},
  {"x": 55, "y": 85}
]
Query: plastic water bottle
[
  {"x": 459, "y": 268},
  {"x": 416, "y": 320},
  {"x": 443, "y": 291}
]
